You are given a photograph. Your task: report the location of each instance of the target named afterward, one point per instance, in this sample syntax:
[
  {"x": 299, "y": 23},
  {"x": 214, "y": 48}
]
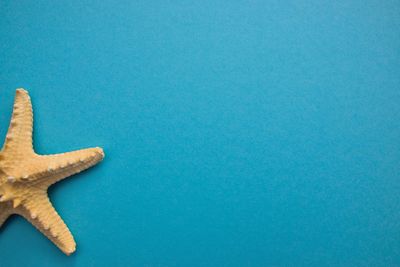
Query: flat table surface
[{"x": 236, "y": 133}]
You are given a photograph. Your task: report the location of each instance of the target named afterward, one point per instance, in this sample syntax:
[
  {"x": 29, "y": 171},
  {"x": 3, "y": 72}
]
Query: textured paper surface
[{"x": 237, "y": 133}]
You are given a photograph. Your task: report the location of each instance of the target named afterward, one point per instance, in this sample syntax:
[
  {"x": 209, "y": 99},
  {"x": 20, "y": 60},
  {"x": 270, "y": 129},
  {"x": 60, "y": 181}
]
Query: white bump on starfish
[
  {"x": 53, "y": 234},
  {"x": 5, "y": 197},
  {"x": 16, "y": 202}
]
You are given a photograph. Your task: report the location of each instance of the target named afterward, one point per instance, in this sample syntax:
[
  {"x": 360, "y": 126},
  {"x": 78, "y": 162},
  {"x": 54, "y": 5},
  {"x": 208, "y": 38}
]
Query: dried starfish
[{"x": 25, "y": 176}]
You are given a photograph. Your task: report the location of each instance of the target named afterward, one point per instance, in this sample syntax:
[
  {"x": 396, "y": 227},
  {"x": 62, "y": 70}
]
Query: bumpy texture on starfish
[{"x": 25, "y": 176}]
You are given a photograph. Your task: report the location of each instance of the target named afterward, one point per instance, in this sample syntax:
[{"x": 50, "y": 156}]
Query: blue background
[{"x": 237, "y": 133}]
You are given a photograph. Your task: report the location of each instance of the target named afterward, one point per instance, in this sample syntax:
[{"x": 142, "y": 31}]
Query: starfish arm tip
[
  {"x": 21, "y": 90},
  {"x": 70, "y": 250},
  {"x": 100, "y": 151}
]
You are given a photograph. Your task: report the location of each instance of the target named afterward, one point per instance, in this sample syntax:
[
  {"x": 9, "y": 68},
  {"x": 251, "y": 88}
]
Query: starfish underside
[{"x": 25, "y": 176}]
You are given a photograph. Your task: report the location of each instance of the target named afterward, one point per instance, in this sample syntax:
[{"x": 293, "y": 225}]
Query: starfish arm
[
  {"x": 50, "y": 169},
  {"x": 41, "y": 213},
  {"x": 19, "y": 135},
  {"x": 4, "y": 213}
]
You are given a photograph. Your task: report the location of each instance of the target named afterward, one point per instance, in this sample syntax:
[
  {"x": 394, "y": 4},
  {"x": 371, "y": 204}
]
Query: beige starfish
[{"x": 25, "y": 176}]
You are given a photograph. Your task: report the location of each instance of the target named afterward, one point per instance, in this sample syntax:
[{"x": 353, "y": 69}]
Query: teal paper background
[{"x": 237, "y": 133}]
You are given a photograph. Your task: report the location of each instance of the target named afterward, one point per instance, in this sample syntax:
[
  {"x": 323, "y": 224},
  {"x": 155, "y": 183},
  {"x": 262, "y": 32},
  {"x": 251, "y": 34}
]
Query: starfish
[{"x": 25, "y": 176}]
